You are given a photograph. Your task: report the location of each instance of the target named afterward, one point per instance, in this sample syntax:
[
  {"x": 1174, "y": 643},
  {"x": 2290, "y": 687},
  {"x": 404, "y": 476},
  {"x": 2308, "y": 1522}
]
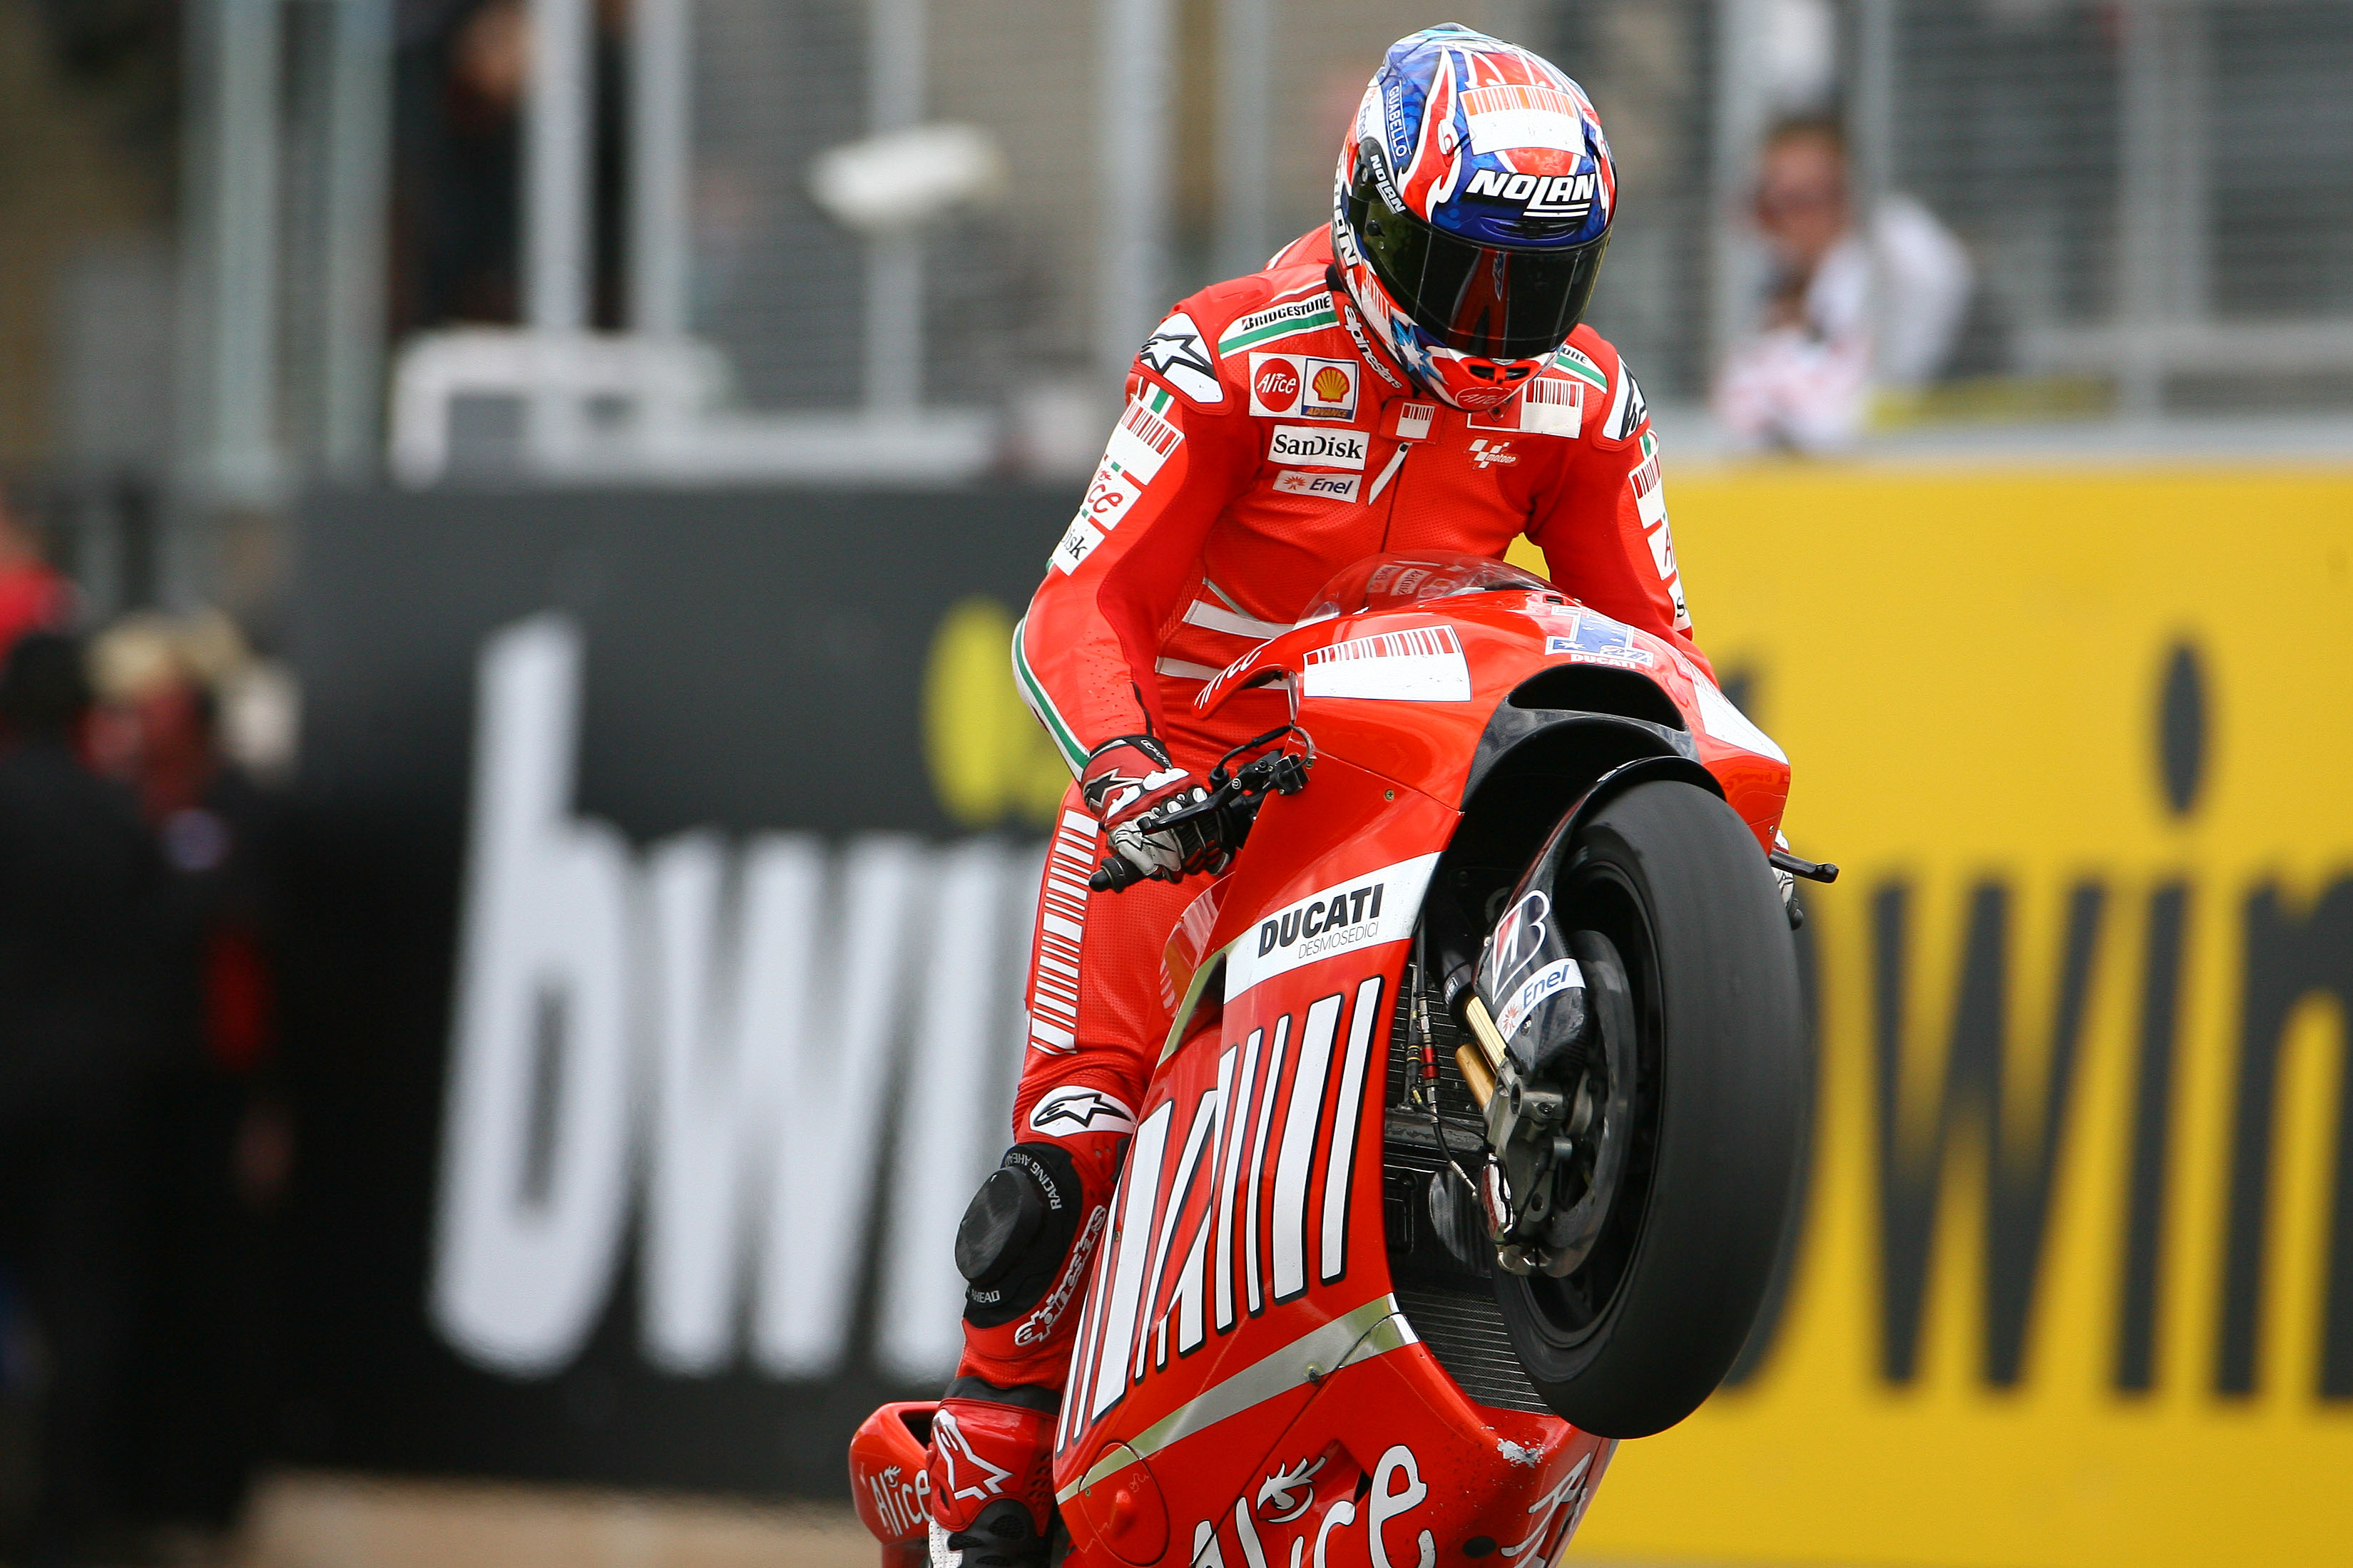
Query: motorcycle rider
[{"x": 1412, "y": 376}]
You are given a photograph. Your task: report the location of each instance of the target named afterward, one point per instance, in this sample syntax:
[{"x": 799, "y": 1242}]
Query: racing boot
[{"x": 991, "y": 1475}]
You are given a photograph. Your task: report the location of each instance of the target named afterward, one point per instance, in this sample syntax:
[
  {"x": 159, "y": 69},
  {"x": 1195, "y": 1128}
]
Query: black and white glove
[{"x": 1131, "y": 784}]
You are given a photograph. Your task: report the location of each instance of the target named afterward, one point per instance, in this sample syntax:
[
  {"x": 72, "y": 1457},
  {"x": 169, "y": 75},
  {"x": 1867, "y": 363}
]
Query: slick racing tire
[{"x": 1680, "y": 929}]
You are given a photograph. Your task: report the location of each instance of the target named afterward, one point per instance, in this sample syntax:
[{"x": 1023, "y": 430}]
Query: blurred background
[{"x": 473, "y": 472}]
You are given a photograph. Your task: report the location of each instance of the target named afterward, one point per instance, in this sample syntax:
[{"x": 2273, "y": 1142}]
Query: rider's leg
[{"x": 1097, "y": 1017}]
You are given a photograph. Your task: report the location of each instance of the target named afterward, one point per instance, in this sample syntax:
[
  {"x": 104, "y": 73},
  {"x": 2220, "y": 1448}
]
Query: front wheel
[{"x": 1679, "y": 928}]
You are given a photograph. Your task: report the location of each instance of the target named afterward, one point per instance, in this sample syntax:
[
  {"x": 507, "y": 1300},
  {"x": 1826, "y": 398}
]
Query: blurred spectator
[
  {"x": 77, "y": 1049},
  {"x": 34, "y": 595},
  {"x": 464, "y": 74},
  {"x": 1846, "y": 314},
  {"x": 222, "y": 1145}
]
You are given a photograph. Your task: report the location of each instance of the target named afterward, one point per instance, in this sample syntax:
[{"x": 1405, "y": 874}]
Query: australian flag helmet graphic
[{"x": 1472, "y": 206}]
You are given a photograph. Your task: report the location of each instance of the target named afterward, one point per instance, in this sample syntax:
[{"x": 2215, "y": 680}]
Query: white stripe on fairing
[
  {"x": 1083, "y": 825},
  {"x": 1084, "y": 1343},
  {"x": 1300, "y": 1121},
  {"x": 1192, "y": 1285},
  {"x": 1236, "y": 1134},
  {"x": 1184, "y": 669},
  {"x": 1055, "y": 1037},
  {"x": 1259, "y": 1135},
  {"x": 1189, "y": 1164},
  {"x": 1200, "y": 613},
  {"x": 1062, "y": 927},
  {"x": 1140, "y": 1189},
  {"x": 1069, "y": 971},
  {"x": 1340, "y": 1164}
]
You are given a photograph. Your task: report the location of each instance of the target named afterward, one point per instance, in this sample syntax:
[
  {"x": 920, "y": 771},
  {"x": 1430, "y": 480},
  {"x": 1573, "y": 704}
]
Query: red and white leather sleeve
[
  {"x": 1604, "y": 532},
  {"x": 1083, "y": 657}
]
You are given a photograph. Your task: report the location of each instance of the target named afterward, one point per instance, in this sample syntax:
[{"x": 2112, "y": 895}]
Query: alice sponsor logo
[
  {"x": 1321, "y": 448},
  {"x": 901, "y": 1500},
  {"x": 1274, "y": 381}
]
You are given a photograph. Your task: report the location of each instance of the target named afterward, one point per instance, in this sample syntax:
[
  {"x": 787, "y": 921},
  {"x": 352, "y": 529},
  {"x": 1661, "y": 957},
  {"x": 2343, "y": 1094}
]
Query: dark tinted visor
[{"x": 1482, "y": 300}]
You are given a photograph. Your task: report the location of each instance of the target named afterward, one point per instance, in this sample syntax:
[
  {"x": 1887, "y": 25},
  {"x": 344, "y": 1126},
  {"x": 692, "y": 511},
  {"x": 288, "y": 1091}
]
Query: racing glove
[
  {"x": 991, "y": 1475},
  {"x": 1129, "y": 783}
]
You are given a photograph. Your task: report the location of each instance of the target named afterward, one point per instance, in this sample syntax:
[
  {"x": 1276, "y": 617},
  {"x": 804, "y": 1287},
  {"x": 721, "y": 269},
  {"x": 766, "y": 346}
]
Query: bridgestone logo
[
  {"x": 1279, "y": 321},
  {"x": 1323, "y": 449}
]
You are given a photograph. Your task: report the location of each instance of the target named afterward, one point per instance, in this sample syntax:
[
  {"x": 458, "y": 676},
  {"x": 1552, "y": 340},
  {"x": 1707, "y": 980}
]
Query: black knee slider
[{"x": 1016, "y": 1232}]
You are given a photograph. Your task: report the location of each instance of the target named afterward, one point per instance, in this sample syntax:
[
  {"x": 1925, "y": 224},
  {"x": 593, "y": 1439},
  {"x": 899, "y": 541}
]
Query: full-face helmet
[{"x": 1470, "y": 211}]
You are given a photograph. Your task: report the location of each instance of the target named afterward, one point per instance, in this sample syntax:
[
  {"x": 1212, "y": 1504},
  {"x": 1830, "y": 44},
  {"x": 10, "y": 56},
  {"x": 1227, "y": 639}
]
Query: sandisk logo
[{"x": 1322, "y": 449}]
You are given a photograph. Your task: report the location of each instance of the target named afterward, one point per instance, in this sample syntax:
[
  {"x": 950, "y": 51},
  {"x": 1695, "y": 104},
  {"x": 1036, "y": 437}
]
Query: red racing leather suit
[{"x": 1263, "y": 448}]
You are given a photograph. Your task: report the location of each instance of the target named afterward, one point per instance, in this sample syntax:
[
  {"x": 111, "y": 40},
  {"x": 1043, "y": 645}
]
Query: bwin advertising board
[{"x": 655, "y": 1022}]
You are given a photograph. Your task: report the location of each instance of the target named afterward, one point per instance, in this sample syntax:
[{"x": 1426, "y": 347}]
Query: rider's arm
[
  {"x": 1604, "y": 532},
  {"x": 1084, "y": 655}
]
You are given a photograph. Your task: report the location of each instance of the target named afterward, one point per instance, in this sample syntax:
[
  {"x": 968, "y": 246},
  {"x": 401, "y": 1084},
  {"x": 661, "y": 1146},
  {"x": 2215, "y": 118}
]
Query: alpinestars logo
[
  {"x": 955, "y": 1449},
  {"x": 1077, "y": 1108},
  {"x": 1039, "y": 1325},
  {"x": 1175, "y": 351}
]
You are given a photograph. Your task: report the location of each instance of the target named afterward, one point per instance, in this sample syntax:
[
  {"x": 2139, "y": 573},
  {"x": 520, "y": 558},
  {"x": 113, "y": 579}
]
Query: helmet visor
[{"x": 1490, "y": 301}]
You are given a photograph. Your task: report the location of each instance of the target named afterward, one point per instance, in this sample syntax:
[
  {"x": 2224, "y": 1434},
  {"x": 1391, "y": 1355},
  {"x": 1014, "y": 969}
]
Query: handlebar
[{"x": 1115, "y": 875}]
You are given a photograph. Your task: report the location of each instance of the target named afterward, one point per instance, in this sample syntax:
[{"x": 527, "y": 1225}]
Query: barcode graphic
[
  {"x": 1553, "y": 389},
  {"x": 1151, "y": 430},
  {"x": 1644, "y": 479},
  {"x": 1427, "y": 643},
  {"x": 1504, "y": 99}
]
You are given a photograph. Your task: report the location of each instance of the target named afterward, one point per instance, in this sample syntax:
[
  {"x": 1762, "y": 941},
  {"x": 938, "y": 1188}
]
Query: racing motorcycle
[{"x": 1469, "y": 1151}]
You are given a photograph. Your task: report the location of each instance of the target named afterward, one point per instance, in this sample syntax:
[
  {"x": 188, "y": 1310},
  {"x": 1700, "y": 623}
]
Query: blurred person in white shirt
[{"x": 1822, "y": 344}]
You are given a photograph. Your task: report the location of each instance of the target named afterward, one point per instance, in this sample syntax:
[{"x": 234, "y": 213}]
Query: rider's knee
[{"x": 1016, "y": 1233}]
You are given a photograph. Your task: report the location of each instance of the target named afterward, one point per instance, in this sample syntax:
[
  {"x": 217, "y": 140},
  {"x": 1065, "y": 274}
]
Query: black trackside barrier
[{"x": 746, "y": 663}]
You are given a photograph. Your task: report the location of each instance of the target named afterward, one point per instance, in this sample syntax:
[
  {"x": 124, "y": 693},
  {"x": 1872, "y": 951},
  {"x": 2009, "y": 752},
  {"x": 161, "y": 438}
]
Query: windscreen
[{"x": 1394, "y": 582}]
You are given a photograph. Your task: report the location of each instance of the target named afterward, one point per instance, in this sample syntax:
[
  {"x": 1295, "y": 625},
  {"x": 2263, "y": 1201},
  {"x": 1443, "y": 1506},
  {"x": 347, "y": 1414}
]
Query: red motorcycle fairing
[
  {"x": 1244, "y": 1387},
  {"x": 888, "y": 1481},
  {"x": 1365, "y": 683},
  {"x": 1242, "y": 1373}
]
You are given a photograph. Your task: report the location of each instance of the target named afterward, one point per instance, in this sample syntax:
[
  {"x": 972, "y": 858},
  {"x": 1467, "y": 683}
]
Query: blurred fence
[{"x": 2156, "y": 198}]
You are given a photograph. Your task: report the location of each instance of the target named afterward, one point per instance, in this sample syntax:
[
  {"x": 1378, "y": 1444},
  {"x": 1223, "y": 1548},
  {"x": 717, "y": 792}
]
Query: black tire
[{"x": 1644, "y": 1329}]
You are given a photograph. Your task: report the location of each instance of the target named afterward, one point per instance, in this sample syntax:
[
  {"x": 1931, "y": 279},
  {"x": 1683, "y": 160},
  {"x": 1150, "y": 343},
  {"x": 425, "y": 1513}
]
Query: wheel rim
[{"x": 1609, "y": 932}]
